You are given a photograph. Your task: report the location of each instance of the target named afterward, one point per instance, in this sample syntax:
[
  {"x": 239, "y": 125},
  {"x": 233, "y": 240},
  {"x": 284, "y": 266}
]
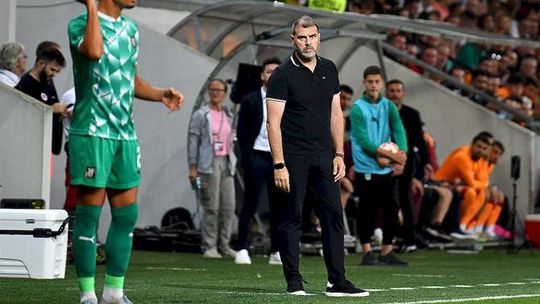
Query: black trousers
[
  {"x": 406, "y": 202},
  {"x": 258, "y": 173},
  {"x": 376, "y": 193},
  {"x": 314, "y": 173}
]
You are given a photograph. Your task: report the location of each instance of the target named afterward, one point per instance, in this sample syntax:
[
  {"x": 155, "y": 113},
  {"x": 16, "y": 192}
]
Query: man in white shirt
[
  {"x": 256, "y": 160},
  {"x": 12, "y": 63}
]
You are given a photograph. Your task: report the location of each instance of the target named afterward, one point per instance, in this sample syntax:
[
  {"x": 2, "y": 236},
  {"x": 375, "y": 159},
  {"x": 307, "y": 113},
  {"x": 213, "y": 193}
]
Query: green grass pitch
[{"x": 492, "y": 276}]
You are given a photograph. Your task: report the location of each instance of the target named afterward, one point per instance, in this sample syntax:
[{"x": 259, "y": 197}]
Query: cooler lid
[{"x": 46, "y": 215}]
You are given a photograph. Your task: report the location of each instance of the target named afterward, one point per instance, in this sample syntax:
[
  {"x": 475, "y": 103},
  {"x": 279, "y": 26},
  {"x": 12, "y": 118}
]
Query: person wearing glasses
[{"x": 210, "y": 157}]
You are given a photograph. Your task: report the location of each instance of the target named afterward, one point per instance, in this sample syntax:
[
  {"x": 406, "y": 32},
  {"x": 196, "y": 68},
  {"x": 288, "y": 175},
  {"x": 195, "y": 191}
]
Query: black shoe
[
  {"x": 345, "y": 289},
  {"x": 369, "y": 259},
  {"x": 391, "y": 259},
  {"x": 437, "y": 232},
  {"x": 296, "y": 288}
]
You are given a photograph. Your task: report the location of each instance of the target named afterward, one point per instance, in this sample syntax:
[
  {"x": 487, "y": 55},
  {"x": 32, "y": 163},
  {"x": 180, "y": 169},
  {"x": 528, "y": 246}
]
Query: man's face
[
  {"x": 399, "y": 42},
  {"x": 487, "y": 66},
  {"x": 267, "y": 72},
  {"x": 528, "y": 67},
  {"x": 50, "y": 70},
  {"x": 395, "y": 93},
  {"x": 373, "y": 84},
  {"x": 494, "y": 154},
  {"x": 481, "y": 83},
  {"x": 494, "y": 83},
  {"x": 306, "y": 41},
  {"x": 479, "y": 150},
  {"x": 125, "y": 3},
  {"x": 459, "y": 74},
  {"x": 216, "y": 92},
  {"x": 345, "y": 100},
  {"x": 429, "y": 56}
]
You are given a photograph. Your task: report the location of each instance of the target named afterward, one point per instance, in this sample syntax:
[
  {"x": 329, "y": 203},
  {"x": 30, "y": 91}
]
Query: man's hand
[
  {"x": 400, "y": 157},
  {"x": 172, "y": 99},
  {"x": 281, "y": 178},
  {"x": 59, "y": 108},
  {"x": 417, "y": 187},
  {"x": 339, "y": 168},
  {"x": 428, "y": 172},
  {"x": 398, "y": 169}
]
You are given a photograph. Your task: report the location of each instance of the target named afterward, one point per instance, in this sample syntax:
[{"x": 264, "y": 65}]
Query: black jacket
[{"x": 250, "y": 119}]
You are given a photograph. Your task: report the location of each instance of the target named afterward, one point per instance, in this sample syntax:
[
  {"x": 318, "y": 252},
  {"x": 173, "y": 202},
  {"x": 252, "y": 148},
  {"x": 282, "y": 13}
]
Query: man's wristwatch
[{"x": 279, "y": 166}]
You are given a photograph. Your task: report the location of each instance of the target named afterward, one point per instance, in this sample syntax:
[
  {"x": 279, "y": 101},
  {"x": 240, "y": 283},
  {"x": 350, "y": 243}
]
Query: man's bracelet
[{"x": 339, "y": 154}]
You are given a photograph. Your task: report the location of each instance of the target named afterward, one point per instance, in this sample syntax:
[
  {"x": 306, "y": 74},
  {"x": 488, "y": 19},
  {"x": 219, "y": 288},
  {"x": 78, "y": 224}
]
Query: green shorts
[{"x": 104, "y": 163}]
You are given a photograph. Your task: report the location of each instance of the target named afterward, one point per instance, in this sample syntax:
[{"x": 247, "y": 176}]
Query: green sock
[
  {"x": 84, "y": 244},
  {"x": 119, "y": 239}
]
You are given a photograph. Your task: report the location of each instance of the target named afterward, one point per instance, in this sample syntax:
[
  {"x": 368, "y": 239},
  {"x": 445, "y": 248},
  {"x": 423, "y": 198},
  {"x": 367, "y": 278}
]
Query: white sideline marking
[
  {"x": 402, "y": 288},
  {"x": 490, "y": 285},
  {"x": 245, "y": 293},
  {"x": 375, "y": 290},
  {"x": 176, "y": 269},
  {"x": 433, "y": 287},
  {"x": 470, "y": 299},
  {"x": 462, "y": 286},
  {"x": 516, "y": 283},
  {"x": 420, "y": 275}
]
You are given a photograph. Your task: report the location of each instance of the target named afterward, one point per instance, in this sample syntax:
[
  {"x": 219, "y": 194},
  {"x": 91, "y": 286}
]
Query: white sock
[
  {"x": 88, "y": 295},
  {"x": 112, "y": 294}
]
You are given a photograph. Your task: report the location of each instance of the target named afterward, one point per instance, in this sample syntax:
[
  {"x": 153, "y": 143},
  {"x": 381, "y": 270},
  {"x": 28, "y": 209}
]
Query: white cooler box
[{"x": 33, "y": 243}]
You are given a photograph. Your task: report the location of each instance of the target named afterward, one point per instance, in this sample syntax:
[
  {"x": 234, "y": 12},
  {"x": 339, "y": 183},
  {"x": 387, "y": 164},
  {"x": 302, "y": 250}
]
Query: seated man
[{"x": 458, "y": 170}]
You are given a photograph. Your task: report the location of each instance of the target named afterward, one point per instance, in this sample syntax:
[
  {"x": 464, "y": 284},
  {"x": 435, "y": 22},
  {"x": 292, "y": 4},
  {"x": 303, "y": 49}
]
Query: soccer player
[
  {"x": 104, "y": 152},
  {"x": 375, "y": 120}
]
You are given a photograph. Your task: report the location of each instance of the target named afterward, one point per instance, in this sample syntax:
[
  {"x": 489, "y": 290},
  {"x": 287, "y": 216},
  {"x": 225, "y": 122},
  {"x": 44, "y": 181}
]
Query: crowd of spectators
[{"x": 508, "y": 74}]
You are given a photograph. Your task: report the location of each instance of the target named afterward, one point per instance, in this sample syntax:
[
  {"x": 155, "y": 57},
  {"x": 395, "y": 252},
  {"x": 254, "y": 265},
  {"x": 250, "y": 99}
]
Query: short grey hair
[
  {"x": 9, "y": 54},
  {"x": 304, "y": 21}
]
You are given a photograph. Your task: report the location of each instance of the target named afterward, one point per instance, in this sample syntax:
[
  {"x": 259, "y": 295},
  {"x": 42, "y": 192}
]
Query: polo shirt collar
[{"x": 298, "y": 64}]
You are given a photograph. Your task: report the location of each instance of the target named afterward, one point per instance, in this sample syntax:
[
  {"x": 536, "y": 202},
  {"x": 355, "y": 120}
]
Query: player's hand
[
  {"x": 281, "y": 178},
  {"x": 339, "y": 168},
  {"x": 172, "y": 99},
  {"x": 400, "y": 157},
  {"x": 398, "y": 169}
]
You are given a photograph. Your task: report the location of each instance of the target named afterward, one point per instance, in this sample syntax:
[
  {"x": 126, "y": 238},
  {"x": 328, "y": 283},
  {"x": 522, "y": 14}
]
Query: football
[{"x": 388, "y": 146}]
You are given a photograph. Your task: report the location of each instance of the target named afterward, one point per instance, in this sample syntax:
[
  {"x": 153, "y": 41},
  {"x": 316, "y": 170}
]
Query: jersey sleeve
[
  {"x": 277, "y": 86},
  {"x": 76, "y": 29}
]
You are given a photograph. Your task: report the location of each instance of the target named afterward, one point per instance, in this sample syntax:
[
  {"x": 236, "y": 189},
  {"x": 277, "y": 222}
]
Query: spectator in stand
[
  {"x": 494, "y": 83},
  {"x": 361, "y": 7},
  {"x": 399, "y": 41},
  {"x": 480, "y": 82},
  {"x": 507, "y": 64},
  {"x": 514, "y": 86},
  {"x": 532, "y": 91},
  {"x": 444, "y": 63},
  {"x": 488, "y": 65},
  {"x": 459, "y": 73},
  {"x": 528, "y": 67},
  {"x": 429, "y": 56},
  {"x": 12, "y": 63}
]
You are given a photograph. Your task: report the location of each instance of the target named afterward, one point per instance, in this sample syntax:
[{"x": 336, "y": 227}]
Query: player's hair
[
  {"x": 43, "y": 45},
  {"x": 345, "y": 88},
  {"x": 372, "y": 70},
  {"x": 483, "y": 138},
  {"x": 272, "y": 60},
  {"x": 498, "y": 144},
  {"x": 395, "y": 81}
]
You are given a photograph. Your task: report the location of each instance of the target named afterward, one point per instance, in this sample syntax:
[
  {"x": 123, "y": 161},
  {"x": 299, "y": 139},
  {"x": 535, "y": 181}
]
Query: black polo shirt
[
  {"x": 305, "y": 125},
  {"x": 46, "y": 93}
]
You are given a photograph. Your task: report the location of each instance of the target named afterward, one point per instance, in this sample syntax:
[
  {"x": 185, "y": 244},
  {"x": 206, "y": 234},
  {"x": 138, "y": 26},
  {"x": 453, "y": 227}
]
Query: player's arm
[
  {"x": 170, "y": 97},
  {"x": 92, "y": 44},
  {"x": 465, "y": 170},
  {"x": 336, "y": 127}
]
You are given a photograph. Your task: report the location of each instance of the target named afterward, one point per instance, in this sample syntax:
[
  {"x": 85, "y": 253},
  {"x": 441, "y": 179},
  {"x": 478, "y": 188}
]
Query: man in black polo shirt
[
  {"x": 38, "y": 84},
  {"x": 305, "y": 129}
]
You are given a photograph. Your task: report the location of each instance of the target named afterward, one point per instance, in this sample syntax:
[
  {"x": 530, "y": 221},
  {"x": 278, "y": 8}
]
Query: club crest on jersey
[
  {"x": 90, "y": 172},
  {"x": 44, "y": 97}
]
